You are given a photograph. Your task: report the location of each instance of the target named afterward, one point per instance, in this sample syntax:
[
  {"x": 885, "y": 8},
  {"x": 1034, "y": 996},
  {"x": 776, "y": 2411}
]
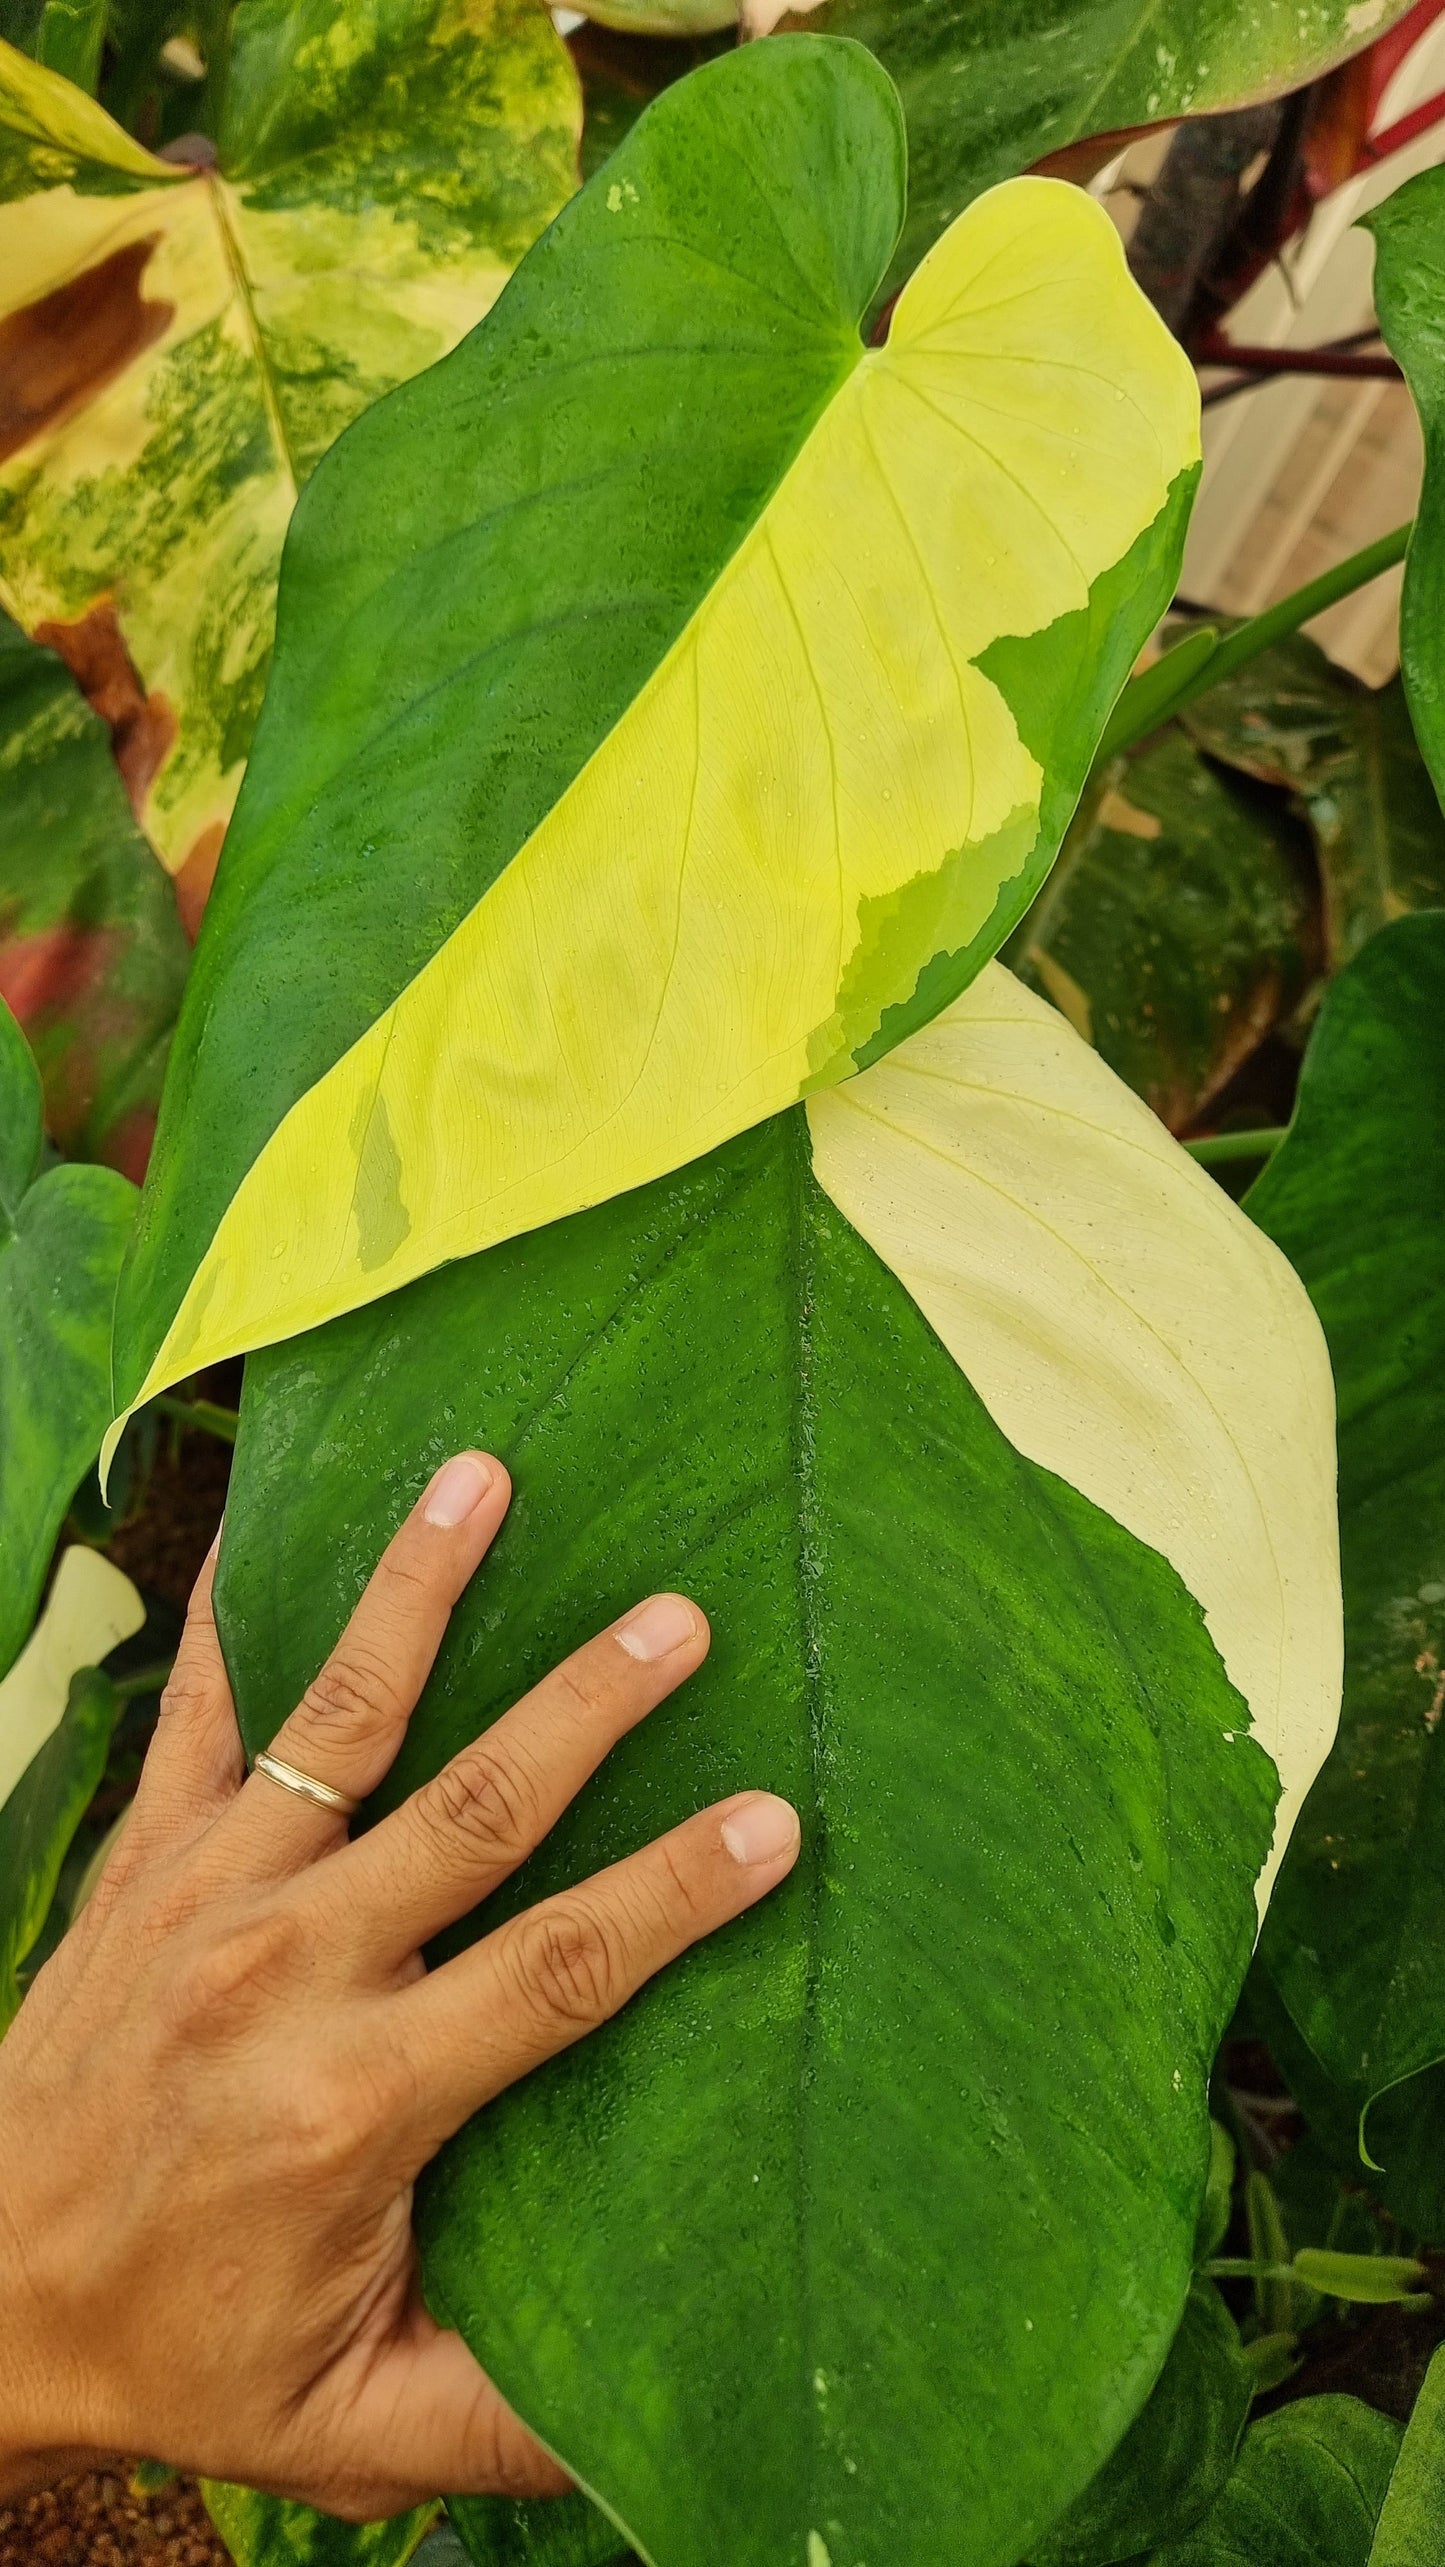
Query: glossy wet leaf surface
[
  {"x": 1177, "y": 2455},
  {"x": 93, "y": 956},
  {"x": 915, "y": 2160},
  {"x": 1353, "y": 1951},
  {"x": 62, "y": 1235},
  {"x": 1176, "y": 930},
  {"x": 989, "y": 89},
  {"x": 1306, "y": 2491},
  {"x": 217, "y": 327}
]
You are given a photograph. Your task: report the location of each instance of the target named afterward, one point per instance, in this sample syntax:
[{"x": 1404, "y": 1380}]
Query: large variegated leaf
[
  {"x": 62, "y": 1236},
  {"x": 93, "y": 957},
  {"x": 1409, "y": 230},
  {"x": 1354, "y": 1951},
  {"x": 642, "y": 782},
  {"x": 181, "y": 344},
  {"x": 1122, "y": 1322},
  {"x": 947, "y": 2212}
]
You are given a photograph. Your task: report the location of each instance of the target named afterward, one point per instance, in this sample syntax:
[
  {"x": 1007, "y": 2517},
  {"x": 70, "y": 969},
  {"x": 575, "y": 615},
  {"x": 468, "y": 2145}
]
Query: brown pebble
[{"x": 93, "y": 2521}]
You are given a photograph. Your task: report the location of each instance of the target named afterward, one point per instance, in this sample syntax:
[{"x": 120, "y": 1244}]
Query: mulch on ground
[{"x": 97, "y": 2521}]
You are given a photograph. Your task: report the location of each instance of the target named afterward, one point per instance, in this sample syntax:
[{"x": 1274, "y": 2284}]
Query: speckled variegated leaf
[
  {"x": 990, "y": 88},
  {"x": 180, "y": 345},
  {"x": 266, "y": 2531},
  {"x": 799, "y": 753}
]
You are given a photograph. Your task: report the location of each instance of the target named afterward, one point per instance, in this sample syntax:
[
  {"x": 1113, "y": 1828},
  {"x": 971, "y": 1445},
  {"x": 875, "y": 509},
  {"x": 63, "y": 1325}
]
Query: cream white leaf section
[
  {"x": 90, "y": 1609},
  {"x": 817, "y": 790},
  {"x": 1123, "y": 1322}
]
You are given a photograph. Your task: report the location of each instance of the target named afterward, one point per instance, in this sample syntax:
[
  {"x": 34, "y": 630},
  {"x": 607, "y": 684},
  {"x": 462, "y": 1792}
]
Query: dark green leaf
[
  {"x": 61, "y": 1243},
  {"x": 40, "y": 1817},
  {"x": 942, "y": 2188},
  {"x": 1306, "y": 2491},
  {"x": 1218, "y": 2206},
  {"x": 1411, "y": 2528},
  {"x": 267, "y": 2531},
  {"x": 555, "y": 2531},
  {"x": 1177, "y": 2454},
  {"x": 1353, "y": 1952},
  {"x": 93, "y": 957},
  {"x": 72, "y": 33},
  {"x": 1174, "y": 931},
  {"x": 1409, "y": 230},
  {"x": 989, "y": 89},
  {"x": 1349, "y": 754}
]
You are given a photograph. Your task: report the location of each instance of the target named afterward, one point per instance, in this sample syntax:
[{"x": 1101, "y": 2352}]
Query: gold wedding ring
[{"x": 291, "y": 1779}]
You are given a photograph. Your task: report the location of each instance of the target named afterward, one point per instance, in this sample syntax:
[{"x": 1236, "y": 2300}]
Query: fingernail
[
  {"x": 659, "y": 1626},
  {"x": 215, "y": 1540},
  {"x": 759, "y": 1830},
  {"x": 457, "y": 1490}
]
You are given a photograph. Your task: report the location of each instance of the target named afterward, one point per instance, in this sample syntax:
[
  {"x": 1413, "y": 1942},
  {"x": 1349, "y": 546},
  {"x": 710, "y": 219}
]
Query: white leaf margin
[
  {"x": 1123, "y": 1322},
  {"x": 92, "y": 1606}
]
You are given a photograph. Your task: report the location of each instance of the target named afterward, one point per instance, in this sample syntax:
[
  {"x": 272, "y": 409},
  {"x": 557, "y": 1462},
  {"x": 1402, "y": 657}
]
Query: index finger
[{"x": 352, "y": 1717}]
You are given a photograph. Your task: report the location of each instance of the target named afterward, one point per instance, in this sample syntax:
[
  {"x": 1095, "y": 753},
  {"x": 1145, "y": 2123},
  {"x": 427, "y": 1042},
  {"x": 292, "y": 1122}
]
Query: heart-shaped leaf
[
  {"x": 62, "y": 1237},
  {"x": 1354, "y": 1949},
  {"x": 778, "y": 728},
  {"x": 181, "y": 344}
]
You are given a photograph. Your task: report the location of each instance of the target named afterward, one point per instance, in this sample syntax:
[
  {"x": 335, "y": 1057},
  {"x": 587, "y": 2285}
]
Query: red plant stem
[
  {"x": 1394, "y": 137},
  {"x": 1214, "y": 350}
]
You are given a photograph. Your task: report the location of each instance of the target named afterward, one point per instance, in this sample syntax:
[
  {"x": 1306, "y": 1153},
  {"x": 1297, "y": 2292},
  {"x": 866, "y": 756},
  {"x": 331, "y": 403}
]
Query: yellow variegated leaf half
[
  {"x": 819, "y": 788},
  {"x": 1122, "y": 1321},
  {"x": 181, "y": 344},
  {"x": 92, "y": 1606}
]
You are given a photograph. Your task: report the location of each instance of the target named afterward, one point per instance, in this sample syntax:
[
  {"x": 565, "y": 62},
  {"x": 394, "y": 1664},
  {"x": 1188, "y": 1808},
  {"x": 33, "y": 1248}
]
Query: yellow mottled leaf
[{"x": 181, "y": 344}]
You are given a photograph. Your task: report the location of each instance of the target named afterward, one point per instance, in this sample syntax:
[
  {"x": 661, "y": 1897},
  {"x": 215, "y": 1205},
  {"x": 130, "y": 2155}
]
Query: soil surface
[{"x": 97, "y": 2521}]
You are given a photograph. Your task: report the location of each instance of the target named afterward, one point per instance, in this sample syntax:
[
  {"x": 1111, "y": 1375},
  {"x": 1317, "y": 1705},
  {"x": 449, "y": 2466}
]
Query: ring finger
[
  {"x": 452, "y": 1843},
  {"x": 345, "y": 1731}
]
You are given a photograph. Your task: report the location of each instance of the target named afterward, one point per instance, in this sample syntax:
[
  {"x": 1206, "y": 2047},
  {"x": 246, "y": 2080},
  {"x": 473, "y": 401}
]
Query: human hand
[{"x": 216, "y": 2097}]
